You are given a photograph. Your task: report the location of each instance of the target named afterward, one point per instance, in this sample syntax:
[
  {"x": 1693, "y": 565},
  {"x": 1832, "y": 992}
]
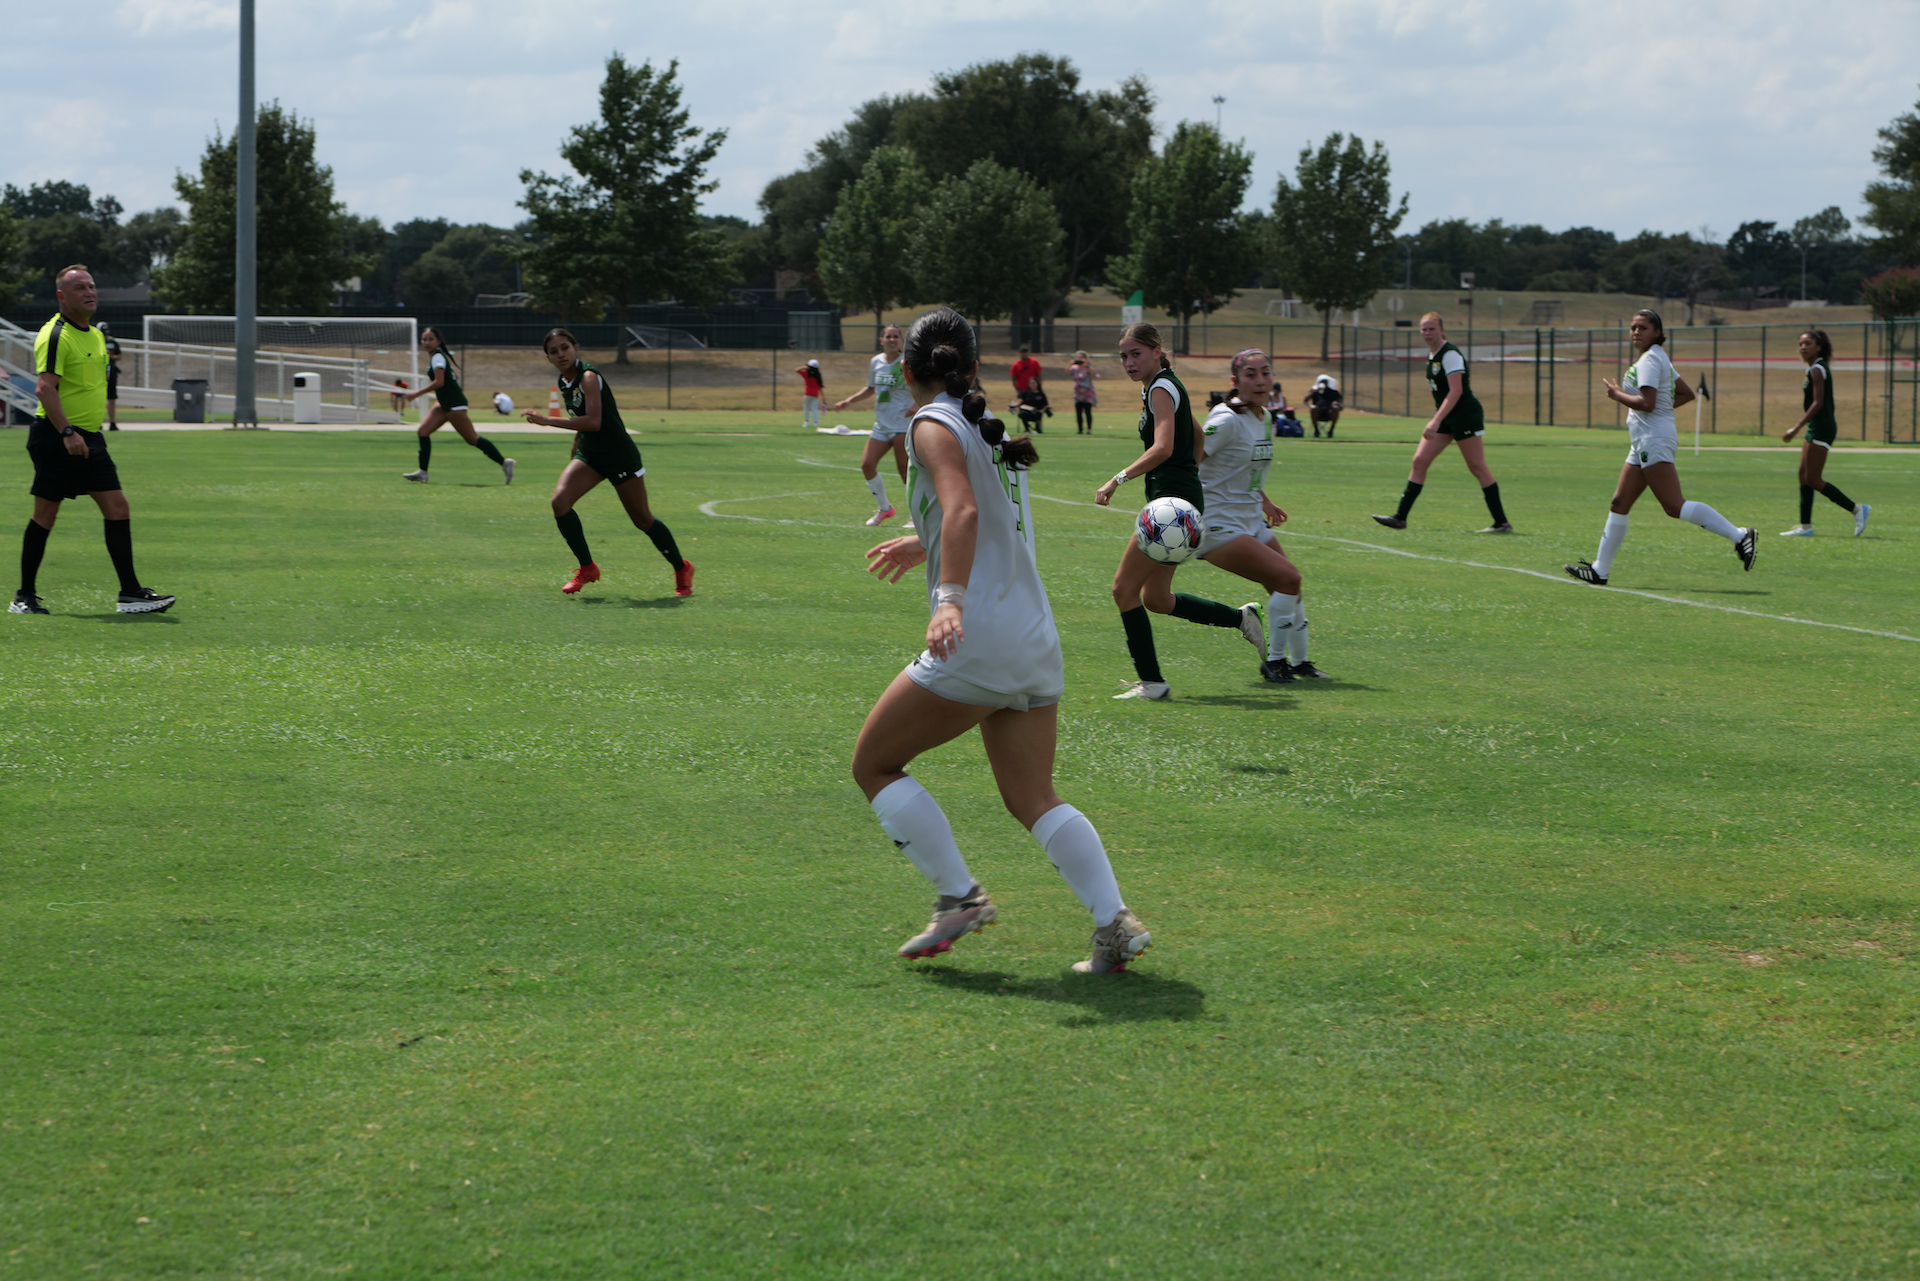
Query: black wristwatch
[{"x": 67, "y": 430}]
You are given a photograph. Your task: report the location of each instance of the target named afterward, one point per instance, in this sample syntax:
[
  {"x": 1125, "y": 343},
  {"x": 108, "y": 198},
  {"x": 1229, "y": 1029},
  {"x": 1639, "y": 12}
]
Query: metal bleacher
[{"x": 16, "y": 375}]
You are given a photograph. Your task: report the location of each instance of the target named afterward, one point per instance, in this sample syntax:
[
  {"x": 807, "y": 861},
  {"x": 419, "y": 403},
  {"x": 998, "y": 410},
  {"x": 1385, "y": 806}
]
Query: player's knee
[
  {"x": 1160, "y": 602},
  {"x": 1286, "y": 582},
  {"x": 561, "y": 506}
]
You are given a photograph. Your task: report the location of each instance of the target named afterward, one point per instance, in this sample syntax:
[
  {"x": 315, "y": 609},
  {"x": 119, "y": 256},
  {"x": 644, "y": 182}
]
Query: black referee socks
[
  {"x": 120, "y": 547},
  {"x": 33, "y": 548}
]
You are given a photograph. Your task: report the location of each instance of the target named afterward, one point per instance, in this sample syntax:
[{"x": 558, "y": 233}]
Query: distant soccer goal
[
  {"x": 357, "y": 358},
  {"x": 369, "y": 338}
]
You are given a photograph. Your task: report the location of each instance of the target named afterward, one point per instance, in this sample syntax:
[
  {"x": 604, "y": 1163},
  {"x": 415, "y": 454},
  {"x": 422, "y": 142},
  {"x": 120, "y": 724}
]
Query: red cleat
[
  {"x": 581, "y": 577},
  {"x": 683, "y": 578}
]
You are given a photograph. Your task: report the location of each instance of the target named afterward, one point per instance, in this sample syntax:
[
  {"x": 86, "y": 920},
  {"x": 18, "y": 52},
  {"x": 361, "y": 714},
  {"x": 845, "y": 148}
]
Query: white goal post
[{"x": 357, "y": 358}]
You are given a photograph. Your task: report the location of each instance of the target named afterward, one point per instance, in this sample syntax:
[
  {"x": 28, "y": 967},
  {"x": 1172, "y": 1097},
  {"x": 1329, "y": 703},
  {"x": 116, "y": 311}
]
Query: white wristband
[
  {"x": 949, "y": 594},
  {"x": 1120, "y": 478}
]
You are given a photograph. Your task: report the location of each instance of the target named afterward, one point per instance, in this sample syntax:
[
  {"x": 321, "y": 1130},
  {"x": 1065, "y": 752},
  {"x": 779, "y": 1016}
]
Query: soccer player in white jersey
[
  {"x": 992, "y": 659},
  {"x": 1236, "y": 451},
  {"x": 1651, "y": 392},
  {"x": 887, "y": 385}
]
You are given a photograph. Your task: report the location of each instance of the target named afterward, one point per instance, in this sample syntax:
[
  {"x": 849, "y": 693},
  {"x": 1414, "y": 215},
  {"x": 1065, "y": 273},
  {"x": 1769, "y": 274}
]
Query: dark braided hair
[
  {"x": 1819, "y": 336},
  {"x": 941, "y": 349}
]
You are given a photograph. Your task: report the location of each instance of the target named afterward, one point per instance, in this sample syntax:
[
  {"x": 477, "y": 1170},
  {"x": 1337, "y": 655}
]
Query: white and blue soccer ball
[{"x": 1168, "y": 530}]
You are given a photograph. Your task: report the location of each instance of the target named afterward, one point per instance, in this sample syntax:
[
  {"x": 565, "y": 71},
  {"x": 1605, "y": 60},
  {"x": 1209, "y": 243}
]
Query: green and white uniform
[
  {"x": 449, "y": 395},
  {"x": 892, "y": 402},
  {"x": 1234, "y": 475},
  {"x": 1652, "y": 435},
  {"x": 1179, "y": 476},
  {"x": 1466, "y": 418},
  {"x": 609, "y": 451},
  {"x": 1823, "y": 427}
]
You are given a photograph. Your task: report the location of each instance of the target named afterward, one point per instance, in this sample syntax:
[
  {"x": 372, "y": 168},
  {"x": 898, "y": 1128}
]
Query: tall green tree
[
  {"x": 987, "y": 243},
  {"x": 864, "y": 257},
  {"x": 63, "y": 223},
  {"x": 1192, "y": 247},
  {"x": 1030, "y": 114},
  {"x": 13, "y": 247},
  {"x": 299, "y": 225},
  {"x": 627, "y": 228},
  {"x": 796, "y": 207},
  {"x": 1893, "y": 203},
  {"x": 1334, "y": 226},
  {"x": 148, "y": 240}
]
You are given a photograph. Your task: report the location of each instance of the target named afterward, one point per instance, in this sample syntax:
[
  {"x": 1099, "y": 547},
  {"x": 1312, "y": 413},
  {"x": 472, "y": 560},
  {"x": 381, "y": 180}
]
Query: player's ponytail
[
  {"x": 1147, "y": 336},
  {"x": 1659, "y": 325},
  {"x": 940, "y": 349}
]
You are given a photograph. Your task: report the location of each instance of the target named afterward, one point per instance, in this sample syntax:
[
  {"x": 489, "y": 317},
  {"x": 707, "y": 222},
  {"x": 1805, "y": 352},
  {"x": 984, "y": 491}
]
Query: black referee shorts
[{"x": 59, "y": 475}]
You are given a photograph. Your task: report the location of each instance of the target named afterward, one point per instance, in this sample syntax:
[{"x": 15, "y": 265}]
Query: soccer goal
[{"x": 357, "y": 358}]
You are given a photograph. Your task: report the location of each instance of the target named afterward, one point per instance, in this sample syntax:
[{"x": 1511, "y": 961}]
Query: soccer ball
[{"x": 1168, "y": 530}]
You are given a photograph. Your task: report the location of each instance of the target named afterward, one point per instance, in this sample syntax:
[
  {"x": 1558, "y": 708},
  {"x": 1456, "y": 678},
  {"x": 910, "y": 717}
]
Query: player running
[
  {"x": 1816, "y": 398},
  {"x": 602, "y": 450},
  {"x": 1239, "y": 516},
  {"x": 1457, "y": 416},
  {"x": 1651, "y": 392},
  {"x": 1171, "y": 467},
  {"x": 887, "y": 385},
  {"x": 450, "y": 406},
  {"x": 992, "y": 660}
]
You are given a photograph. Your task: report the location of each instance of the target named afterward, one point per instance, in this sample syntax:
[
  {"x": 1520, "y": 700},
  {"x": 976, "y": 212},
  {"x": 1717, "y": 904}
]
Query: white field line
[
  {"x": 1562, "y": 581},
  {"x": 707, "y": 509}
]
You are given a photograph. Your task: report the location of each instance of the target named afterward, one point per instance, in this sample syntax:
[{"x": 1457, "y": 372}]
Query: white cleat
[
  {"x": 1146, "y": 689},
  {"x": 1116, "y": 946},
  {"x": 883, "y": 515},
  {"x": 1860, "y": 519},
  {"x": 1798, "y": 531},
  {"x": 417, "y": 477},
  {"x": 507, "y": 467},
  {"x": 1252, "y": 628}
]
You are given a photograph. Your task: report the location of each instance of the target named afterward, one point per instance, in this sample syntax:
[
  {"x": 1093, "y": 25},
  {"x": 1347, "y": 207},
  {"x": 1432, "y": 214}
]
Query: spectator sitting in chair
[
  {"x": 1324, "y": 403},
  {"x": 1031, "y": 404}
]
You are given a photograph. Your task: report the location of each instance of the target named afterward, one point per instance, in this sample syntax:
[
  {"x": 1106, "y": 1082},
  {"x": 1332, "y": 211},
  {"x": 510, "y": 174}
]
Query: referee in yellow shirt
[{"x": 69, "y": 454}]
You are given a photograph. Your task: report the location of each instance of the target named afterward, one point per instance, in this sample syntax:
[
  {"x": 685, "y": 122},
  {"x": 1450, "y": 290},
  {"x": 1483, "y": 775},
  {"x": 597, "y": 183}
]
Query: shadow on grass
[
  {"x": 118, "y": 617},
  {"x": 1258, "y": 769},
  {"x": 1244, "y": 702},
  {"x": 1137, "y": 996},
  {"x": 634, "y": 602}
]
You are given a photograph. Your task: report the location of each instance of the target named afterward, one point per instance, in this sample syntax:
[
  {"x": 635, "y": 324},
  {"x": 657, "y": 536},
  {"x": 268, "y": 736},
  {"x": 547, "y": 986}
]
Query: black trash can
[{"x": 189, "y": 400}]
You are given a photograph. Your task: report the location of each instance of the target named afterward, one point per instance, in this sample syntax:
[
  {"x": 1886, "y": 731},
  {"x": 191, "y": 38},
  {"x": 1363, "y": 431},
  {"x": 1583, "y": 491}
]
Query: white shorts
[
  {"x": 1218, "y": 536},
  {"x": 886, "y": 435},
  {"x": 1648, "y": 450},
  {"x": 935, "y": 679}
]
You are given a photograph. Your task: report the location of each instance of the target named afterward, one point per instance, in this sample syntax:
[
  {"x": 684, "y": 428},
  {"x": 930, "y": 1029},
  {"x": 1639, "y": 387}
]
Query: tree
[
  {"x": 628, "y": 227},
  {"x": 1191, "y": 246},
  {"x": 987, "y": 206},
  {"x": 863, "y": 256},
  {"x": 1893, "y": 204},
  {"x": 1029, "y": 114},
  {"x": 1335, "y": 227},
  {"x": 13, "y": 245},
  {"x": 796, "y": 206},
  {"x": 148, "y": 240},
  {"x": 436, "y": 280},
  {"x": 298, "y": 224},
  {"x": 62, "y": 223},
  {"x": 1894, "y": 293},
  {"x": 1760, "y": 255}
]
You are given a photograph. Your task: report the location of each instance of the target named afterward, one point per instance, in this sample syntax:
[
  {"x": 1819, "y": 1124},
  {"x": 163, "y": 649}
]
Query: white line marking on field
[
  {"x": 1562, "y": 581},
  {"x": 707, "y": 509},
  {"x": 811, "y": 462}
]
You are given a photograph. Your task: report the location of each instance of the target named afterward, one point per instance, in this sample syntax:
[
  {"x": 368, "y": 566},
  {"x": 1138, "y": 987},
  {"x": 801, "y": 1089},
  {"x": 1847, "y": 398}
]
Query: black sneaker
[
  {"x": 1498, "y": 527},
  {"x": 1586, "y": 573},
  {"x": 1745, "y": 548},
  {"x": 144, "y": 600},
  {"x": 27, "y": 603},
  {"x": 1391, "y": 522},
  {"x": 1310, "y": 672},
  {"x": 1275, "y": 671}
]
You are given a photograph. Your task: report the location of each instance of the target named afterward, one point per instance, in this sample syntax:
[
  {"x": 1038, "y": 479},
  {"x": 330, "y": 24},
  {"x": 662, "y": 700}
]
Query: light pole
[
  {"x": 245, "y": 292},
  {"x": 1218, "y": 103}
]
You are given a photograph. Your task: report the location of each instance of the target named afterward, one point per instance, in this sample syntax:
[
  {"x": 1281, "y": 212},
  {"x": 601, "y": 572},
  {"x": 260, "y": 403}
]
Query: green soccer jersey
[
  {"x": 1179, "y": 476},
  {"x": 609, "y": 451},
  {"x": 78, "y": 357},
  {"x": 1823, "y": 424},
  {"x": 450, "y": 395},
  {"x": 1466, "y": 417}
]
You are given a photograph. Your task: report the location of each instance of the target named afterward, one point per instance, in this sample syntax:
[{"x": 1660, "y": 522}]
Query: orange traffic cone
[{"x": 553, "y": 403}]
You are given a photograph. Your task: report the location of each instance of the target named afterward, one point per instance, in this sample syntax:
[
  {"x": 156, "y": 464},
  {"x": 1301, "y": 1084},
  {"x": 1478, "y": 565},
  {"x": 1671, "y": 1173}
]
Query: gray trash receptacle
[
  {"x": 189, "y": 400},
  {"x": 306, "y": 398}
]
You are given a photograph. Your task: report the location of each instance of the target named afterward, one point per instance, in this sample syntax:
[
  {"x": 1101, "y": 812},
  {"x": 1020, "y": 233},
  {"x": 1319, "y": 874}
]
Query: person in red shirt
[
  {"x": 811, "y": 384},
  {"x": 1026, "y": 371}
]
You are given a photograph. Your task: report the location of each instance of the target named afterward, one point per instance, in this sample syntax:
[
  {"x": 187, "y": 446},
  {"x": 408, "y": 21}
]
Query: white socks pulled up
[
  {"x": 878, "y": 486},
  {"x": 1077, "y": 854},
  {"x": 918, "y": 825},
  {"x": 1610, "y": 539},
  {"x": 1710, "y": 520},
  {"x": 1281, "y": 609}
]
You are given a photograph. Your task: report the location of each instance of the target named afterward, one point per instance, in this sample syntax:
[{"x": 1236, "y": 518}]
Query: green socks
[
  {"x": 1806, "y": 504},
  {"x": 1492, "y": 494},
  {"x": 1408, "y": 497},
  {"x": 426, "y": 451},
  {"x": 663, "y": 542},
  {"x": 1833, "y": 494},
  {"x": 1210, "y": 613},
  {"x": 1139, "y": 628},
  {"x": 576, "y": 536},
  {"x": 488, "y": 448}
]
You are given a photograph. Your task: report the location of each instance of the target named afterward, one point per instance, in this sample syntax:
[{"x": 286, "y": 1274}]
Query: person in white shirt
[
  {"x": 1239, "y": 519},
  {"x": 992, "y": 659},
  {"x": 1651, "y": 392},
  {"x": 502, "y": 403},
  {"x": 887, "y": 385}
]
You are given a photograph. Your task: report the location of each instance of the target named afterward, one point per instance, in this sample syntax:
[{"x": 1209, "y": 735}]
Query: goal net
[{"x": 358, "y": 359}]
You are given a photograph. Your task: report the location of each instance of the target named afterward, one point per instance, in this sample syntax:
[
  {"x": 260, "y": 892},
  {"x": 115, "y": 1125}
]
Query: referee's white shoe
[{"x": 144, "y": 600}]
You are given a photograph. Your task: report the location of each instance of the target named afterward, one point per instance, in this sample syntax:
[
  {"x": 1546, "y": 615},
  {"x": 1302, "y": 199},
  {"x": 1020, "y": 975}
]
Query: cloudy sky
[{"x": 1670, "y": 117}]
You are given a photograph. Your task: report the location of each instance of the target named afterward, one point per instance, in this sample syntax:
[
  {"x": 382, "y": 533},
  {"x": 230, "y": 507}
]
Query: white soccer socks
[
  {"x": 1710, "y": 520},
  {"x": 1075, "y": 850},
  {"x": 1280, "y": 611},
  {"x": 1610, "y": 539},
  {"x": 918, "y": 825},
  {"x": 878, "y": 485},
  {"x": 1297, "y": 643}
]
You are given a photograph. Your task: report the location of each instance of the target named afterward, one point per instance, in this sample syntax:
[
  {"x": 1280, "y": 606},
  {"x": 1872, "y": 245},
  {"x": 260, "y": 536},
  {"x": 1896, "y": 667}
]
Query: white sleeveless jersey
[
  {"x": 893, "y": 403},
  {"x": 1011, "y": 646},
  {"x": 1655, "y": 370},
  {"x": 1234, "y": 471}
]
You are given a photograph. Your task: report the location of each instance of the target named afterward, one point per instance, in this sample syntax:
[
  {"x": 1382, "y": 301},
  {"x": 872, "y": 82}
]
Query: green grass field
[{"x": 381, "y": 912}]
